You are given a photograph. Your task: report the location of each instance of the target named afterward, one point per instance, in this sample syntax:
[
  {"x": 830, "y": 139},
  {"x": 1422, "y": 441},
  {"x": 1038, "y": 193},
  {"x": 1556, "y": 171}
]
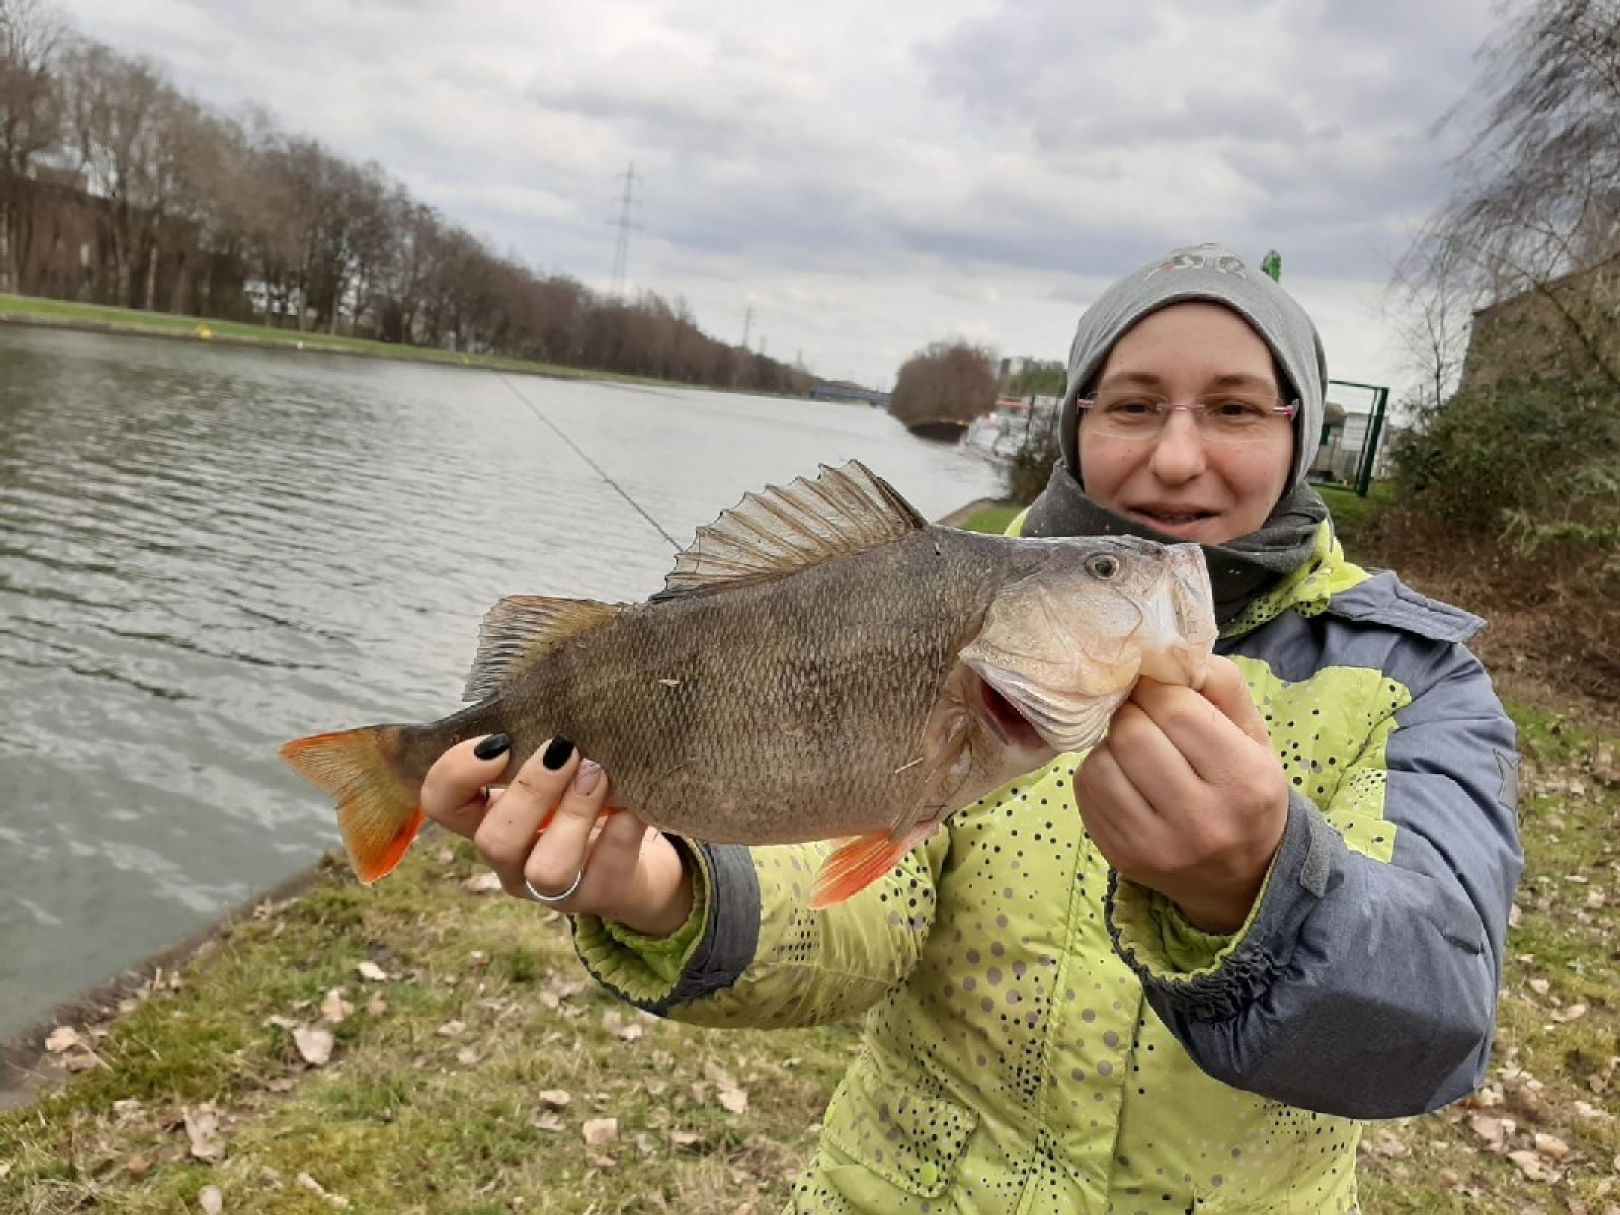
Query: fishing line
[{"x": 600, "y": 471}]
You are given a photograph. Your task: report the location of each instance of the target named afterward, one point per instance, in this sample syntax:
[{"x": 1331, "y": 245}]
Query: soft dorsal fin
[
  {"x": 787, "y": 527},
  {"x": 520, "y": 630}
]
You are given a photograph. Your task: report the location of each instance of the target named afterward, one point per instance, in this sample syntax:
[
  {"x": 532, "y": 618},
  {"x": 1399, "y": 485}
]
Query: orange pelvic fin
[
  {"x": 861, "y": 861},
  {"x": 377, "y": 805}
]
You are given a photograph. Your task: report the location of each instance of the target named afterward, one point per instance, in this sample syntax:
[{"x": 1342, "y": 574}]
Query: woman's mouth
[{"x": 1171, "y": 519}]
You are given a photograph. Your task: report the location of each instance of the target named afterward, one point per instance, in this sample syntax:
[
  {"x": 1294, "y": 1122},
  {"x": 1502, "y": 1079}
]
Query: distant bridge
[{"x": 850, "y": 392}]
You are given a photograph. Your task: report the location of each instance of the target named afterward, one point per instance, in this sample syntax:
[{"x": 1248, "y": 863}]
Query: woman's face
[{"x": 1180, "y": 482}]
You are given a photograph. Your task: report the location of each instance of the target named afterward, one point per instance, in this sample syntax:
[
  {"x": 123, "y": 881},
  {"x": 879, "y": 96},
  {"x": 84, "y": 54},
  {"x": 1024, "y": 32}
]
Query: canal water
[{"x": 206, "y": 551}]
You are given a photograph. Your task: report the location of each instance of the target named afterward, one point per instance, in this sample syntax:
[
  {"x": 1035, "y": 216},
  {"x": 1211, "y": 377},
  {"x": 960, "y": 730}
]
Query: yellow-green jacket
[{"x": 1042, "y": 1037}]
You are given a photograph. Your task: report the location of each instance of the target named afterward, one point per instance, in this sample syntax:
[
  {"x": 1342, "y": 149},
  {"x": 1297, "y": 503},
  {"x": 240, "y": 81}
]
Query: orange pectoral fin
[{"x": 860, "y": 862}]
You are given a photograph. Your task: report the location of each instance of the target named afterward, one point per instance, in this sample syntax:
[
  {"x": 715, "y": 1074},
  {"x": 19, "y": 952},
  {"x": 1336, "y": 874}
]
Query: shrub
[{"x": 1536, "y": 463}]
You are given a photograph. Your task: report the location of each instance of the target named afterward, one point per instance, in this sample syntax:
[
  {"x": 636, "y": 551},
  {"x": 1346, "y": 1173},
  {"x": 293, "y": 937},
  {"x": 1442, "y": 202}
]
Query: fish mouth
[{"x": 1003, "y": 717}]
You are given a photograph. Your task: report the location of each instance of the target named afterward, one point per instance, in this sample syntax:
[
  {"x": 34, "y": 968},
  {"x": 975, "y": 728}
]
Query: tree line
[{"x": 118, "y": 188}]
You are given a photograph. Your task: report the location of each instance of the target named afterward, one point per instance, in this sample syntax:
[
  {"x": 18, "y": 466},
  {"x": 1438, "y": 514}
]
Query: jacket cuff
[
  {"x": 1208, "y": 977},
  {"x": 708, "y": 953}
]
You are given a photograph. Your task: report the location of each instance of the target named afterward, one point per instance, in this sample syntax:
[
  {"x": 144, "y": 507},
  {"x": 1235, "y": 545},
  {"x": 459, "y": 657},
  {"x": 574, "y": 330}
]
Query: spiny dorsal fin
[
  {"x": 844, "y": 510},
  {"x": 520, "y": 630}
]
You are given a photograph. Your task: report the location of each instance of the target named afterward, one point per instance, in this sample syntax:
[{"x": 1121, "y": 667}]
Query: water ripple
[{"x": 205, "y": 552}]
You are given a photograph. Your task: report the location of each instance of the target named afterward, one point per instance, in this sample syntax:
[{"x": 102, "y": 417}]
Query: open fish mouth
[{"x": 1005, "y": 719}]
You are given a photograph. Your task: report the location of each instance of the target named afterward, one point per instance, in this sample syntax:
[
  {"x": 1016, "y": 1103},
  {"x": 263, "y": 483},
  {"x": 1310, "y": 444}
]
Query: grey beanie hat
[{"x": 1203, "y": 272}]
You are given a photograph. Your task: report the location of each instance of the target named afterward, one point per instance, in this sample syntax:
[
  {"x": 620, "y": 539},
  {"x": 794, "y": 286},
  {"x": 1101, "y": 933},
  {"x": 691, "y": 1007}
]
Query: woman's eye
[{"x": 1136, "y": 407}]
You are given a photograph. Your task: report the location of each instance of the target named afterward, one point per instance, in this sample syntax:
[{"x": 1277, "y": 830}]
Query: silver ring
[{"x": 552, "y": 899}]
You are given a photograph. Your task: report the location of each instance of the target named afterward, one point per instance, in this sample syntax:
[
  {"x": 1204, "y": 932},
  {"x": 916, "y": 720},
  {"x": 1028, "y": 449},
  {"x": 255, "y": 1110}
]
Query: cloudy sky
[{"x": 868, "y": 178}]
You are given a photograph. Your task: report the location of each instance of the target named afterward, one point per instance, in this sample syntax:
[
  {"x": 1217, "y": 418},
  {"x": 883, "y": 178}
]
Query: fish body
[{"x": 821, "y": 664}]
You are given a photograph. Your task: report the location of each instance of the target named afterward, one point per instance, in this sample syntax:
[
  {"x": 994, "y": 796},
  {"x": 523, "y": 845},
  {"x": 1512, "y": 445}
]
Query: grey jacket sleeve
[{"x": 1362, "y": 987}]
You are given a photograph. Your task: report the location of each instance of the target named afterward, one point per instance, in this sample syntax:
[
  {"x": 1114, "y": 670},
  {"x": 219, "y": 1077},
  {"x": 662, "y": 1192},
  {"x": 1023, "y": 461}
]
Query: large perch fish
[{"x": 821, "y": 663}]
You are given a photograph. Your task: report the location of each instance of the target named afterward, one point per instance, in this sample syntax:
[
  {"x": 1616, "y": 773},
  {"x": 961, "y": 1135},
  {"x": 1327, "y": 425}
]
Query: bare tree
[
  {"x": 31, "y": 36},
  {"x": 1538, "y": 200}
]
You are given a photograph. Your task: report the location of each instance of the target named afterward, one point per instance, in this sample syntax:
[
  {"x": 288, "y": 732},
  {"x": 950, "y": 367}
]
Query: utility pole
[
  {"x": 748, "y": 323},
  {"x": 621, "y": 252}
]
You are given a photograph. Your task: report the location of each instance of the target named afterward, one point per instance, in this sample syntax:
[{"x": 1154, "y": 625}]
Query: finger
[
  {"x": 560, "y": 854},
  {"x": 1109, "y": 804},
  {"x": 1150, "y": 761},
  {"x": 507, "y": 833},
  {"x": 613, "y": 864},
  {"x": 1205, "y": 739},
  {"x": 1225, "y": 688},
  {"x": 451, "y": 790}
]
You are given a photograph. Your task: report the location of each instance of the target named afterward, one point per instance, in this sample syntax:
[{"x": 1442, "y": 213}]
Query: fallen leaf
[
  {"x": 444, "y": 856},
  {"x": 63, "y": 1038},
  {"x": 1596, "y": 900},
  {"x": 1604, "y": 767},
  {"x": 483, "y": 883},
  {"x": 734, "y": 1099},
  {"x": 314, "y": 1044},
  {"x": 558, "y": 989},
  {"x": 376, "y": 1006},
  {"x": 547, "y": 1122},
  {"x": 600, "y": 1161},
  {"x": 335, "y": 1008},
  {"x": 1551, "y": 1146},
  {"x": 451, "y": 1029},
  {"x": 554, "y": 1098},
  {"x": 136, "y": 1166},
  {"x": 1533, "y": 1166},
  {"x": 315, "y": 1187},
  {"x": 466, "y": 1056},
  {"x": 1540, "y": 986},
  {"x": 281, "y": 1084},
  {"x": 1514, "y": 916},
  {"x": 1385, "y": 1144},
  {"x": 599, "y": 1132},
  {"x": 80, "y": 1061},
  {"x": 202, "y": 1129},
  {"x": 1494, "y": 1131},
  {"x": 1573, "y": 1013},
  {"x": 211, "y": 1200},
  {"x": 1587, "y": 1110},
  {"x": 372, "y": 973},
  {"x": 685, "y": 1139}
]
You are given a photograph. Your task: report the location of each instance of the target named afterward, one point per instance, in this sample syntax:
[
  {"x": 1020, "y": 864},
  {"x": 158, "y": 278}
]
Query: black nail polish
[
  {"x": 557, "y": 753},
  {"x": 495, "y": 744}
]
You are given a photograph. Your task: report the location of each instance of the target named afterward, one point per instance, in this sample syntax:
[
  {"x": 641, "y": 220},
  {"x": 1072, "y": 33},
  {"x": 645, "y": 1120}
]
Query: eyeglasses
[{"x": 1226, "y": 418}]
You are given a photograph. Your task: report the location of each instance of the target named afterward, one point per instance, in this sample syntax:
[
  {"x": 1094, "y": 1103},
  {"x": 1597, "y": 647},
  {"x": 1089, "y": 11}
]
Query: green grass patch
[
  {"x": 992, "y": 520},
  {"x": 1352, "y": 513},
  {"x": 100, "y": 317},
  {"x": 464, "y": 1080}
]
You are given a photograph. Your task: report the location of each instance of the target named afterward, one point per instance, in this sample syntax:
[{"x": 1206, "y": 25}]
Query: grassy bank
[
  {"x": 97, "y": 318},
  {"x": 423, "y": 1046}
]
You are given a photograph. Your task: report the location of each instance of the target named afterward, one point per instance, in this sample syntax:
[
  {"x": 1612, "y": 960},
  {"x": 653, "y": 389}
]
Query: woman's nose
[{"x": 1178, "y": 453}]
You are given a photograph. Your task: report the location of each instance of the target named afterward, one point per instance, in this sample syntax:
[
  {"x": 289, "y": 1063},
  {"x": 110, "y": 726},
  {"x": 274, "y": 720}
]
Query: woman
[{"x": 1280, "y": 906}]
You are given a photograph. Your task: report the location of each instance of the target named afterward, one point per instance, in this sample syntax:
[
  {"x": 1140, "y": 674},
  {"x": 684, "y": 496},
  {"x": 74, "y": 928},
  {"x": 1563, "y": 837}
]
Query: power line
[{"x": 621, "y": 251}]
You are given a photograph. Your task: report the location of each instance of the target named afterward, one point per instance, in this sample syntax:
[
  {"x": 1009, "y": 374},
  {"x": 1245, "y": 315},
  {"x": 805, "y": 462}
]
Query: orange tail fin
[
  {"x": 377, "y": 805},
  {"x": 860, "y": 862}
]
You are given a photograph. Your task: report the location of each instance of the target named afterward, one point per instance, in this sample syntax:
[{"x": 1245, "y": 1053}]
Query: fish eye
[{"x": 1102, "y": 565}]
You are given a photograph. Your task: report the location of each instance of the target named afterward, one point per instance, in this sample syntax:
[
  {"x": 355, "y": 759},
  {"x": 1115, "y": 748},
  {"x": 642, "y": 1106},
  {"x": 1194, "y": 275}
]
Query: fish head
[{"x": 1063, "y": 645}]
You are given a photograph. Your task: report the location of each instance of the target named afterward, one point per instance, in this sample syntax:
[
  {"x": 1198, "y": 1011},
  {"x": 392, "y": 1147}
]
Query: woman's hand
[
  {"x": 548, "y": 828},
  {"x": 1186, "y": 796}
]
